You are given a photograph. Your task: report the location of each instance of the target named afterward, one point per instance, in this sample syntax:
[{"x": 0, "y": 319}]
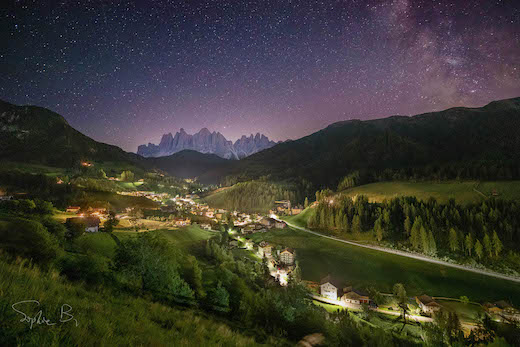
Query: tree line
[{"x": 484, "y": 231}]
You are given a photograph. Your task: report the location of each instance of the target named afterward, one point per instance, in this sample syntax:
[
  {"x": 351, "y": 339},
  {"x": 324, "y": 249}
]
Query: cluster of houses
[
  {"x": 150, "y": 195},
  {"x": 502, "y": 310},
  {"x": 91, "y": 217},
  {"x": 281, "y": 262},
  {"x": 332, "y": 289},
  {"x": 91, "y": 223},
  {"x": 284, "y": 207},
  {"x": 263, "y": 225}
]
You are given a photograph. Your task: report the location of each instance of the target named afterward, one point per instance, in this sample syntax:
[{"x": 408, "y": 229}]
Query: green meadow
[
  {"x": 462, "y": 192},
  {"x": 188, "y": 238},
  {"x": 362, "y": 267},
  {"x": 104, "y": 317}
]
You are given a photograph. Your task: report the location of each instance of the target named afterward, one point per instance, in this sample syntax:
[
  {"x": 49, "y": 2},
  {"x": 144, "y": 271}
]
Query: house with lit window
[
  {"x": 91, "y": 224},
  {"x": 287, "y": 256},
  {"x": 427, "y": 304},
  {"x": 354, "y": 296},
  {"x": 264, "y": 249},
  {"x": 330, "y": 288}
]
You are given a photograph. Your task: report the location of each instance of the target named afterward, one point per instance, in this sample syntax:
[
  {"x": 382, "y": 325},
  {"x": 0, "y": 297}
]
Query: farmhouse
[
  {"x": 352, "y": 296},
  {"x": 264, "y": 249},
  {"x": 279, "y": 224},
  {"x": 91, "y": 223},
  {"x": 427, "y": 304},
  {"x": 206, "y": 226},
  {"x": 182, "y": 222},
  {"x": 330, "y": 288},
  {"x": 296, "y": 210},
  {"x": 248, "y": 243},
  {"x": 268, "y": 222},
  {"x": 73, "y": 209},
  {"x": 287, "y": 256}
]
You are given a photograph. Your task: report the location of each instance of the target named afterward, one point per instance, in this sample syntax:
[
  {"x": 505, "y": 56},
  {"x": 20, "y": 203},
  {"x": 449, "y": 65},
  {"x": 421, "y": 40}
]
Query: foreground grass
[
  {"x": 462, "y": 192},
  {"x": 103, "y": 318},
  {"x": 364, "y": 267}
]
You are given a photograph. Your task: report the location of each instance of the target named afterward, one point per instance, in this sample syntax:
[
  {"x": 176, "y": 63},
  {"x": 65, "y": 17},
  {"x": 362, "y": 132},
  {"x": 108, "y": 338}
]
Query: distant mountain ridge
[
  {"x": 33, "y": 134},
  {"x": 477, "y": 143},
  {"x": 206, "y": 142}
]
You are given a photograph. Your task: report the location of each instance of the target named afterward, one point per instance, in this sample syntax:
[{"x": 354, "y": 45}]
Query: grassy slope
[
  {"x": 119, "y": 201},
  {"x": 302, "y": 218},
  {"x": 363, "y": 267},
  {"x": 462, "y": 192},
  {"x": 184, "y": 237},
  {"x": 104, "y": 318}
]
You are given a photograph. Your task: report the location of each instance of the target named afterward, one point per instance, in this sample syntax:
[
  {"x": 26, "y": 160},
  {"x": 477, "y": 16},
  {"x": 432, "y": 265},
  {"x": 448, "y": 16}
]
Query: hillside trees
[
  {"x": 483, "y": 230},
  {"x": 254, "y": 196}
]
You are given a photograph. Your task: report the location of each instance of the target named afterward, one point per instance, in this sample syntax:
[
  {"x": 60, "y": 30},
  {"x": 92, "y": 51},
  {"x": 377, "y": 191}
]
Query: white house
[
  {"x": 92, "y": 224},
  {"x": 287, "y": 256},
  {"x": 279, "y": 224},
  {"x": 352, "y": 296},
  {"x": 329, "y": 288},
  {"x": 427, "y": 304},
  {"x": 264, "y": 249}
]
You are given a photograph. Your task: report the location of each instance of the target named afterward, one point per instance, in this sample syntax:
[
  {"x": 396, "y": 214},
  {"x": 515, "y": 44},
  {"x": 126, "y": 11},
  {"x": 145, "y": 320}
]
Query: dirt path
[{"x": 409, "y": 255}]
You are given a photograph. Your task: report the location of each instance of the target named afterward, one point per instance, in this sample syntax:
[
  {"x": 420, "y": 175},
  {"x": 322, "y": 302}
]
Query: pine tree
[
  {"x": 453, "y": 240},
  {"x": 356, "y": 224},
  {"x": 378, "y": 229},
  {"x": 408, "y": 225},
  {"x": 424, "y": 241},
  {"x": 345, "y": 223},
  {"x": 497, "y": 244},
  {"x": 415, "y": 239},
  {"x": 417, "y": 224},
  {"x": 432, "y": 245},
  {"x": 479, "y": 249},
  {"x": 469, "y": 243},
  {"x": 487, "y": 245}
]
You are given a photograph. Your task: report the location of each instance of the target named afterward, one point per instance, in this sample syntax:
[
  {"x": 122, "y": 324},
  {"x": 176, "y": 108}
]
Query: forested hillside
[
  {"x": 31, "y": 134},
  {"x": 253, "y": 196},
  {"x": 465, "y": 143}
]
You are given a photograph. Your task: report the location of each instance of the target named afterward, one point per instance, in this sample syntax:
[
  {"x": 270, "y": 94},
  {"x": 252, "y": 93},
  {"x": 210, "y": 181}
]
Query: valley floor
[{"x": 410, "y": 255}]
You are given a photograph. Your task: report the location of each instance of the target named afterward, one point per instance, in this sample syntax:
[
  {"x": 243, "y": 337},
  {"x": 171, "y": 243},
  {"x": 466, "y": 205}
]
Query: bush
[
  {"x": 90, "y": 268},
  {"x": 29, "y": 239}
]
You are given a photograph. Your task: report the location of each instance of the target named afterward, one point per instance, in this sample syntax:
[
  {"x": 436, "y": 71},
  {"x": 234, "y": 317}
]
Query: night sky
[{"x": 127, "y": 72}]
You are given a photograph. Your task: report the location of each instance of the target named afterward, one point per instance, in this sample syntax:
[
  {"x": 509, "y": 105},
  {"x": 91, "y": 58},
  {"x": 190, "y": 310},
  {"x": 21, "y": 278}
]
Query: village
[{"x": 190, "y": 209}]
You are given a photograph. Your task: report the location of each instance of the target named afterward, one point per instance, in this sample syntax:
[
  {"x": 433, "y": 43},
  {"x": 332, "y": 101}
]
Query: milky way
[{"x": 127, "y": 72}]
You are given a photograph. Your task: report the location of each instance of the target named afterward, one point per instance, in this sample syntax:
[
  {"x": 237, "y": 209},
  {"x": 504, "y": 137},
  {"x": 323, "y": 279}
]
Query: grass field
[
  {"x": 364, "y": 267},
  {"x": 462, "y": 192},
  {"x": 302, "y": 218},
  {"x": 99, "y": 243},
  {"x": 183, "y": 237},
  {"x": 103, "y": 244},
  {"x": 104, "y": 318},
  {"x": 99, "y": 199},
  {"x": 466, "y": 312},
  {"x": 34, "y": 168}
]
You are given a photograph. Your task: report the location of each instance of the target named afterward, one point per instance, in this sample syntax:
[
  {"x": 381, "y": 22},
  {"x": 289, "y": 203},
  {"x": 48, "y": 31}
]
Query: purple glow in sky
[{"x": 127, "y": 72}]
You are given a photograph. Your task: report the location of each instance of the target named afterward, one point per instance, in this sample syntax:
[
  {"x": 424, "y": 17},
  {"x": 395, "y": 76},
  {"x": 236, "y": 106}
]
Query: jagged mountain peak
[{"x": 206, "y": 141}]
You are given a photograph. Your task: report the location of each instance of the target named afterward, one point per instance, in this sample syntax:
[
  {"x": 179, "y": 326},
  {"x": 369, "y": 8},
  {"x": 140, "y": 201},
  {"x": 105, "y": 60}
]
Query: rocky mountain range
[{"x": 206, "y": 142}]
